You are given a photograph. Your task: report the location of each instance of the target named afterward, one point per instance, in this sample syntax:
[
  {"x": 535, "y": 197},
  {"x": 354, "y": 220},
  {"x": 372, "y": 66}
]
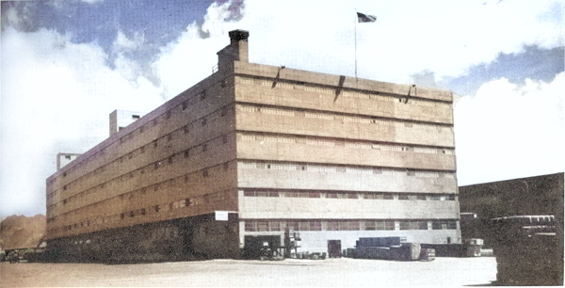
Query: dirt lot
[{"x": 224, "y": 273}]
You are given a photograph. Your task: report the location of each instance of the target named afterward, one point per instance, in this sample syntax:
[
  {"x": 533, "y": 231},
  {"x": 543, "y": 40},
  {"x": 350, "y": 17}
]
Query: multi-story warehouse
[{"x": 253, "y": 150}]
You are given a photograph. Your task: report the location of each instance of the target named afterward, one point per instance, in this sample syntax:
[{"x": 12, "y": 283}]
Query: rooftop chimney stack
[{"x": 237, "y": 50}]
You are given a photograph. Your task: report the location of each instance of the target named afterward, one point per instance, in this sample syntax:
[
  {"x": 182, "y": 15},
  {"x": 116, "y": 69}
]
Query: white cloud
[
  {"x": 56, "y": 97},
  {"x": 509, "y": 131},
  {"x": 445, "y": 37},
  {"x": 190, "y": 58}
]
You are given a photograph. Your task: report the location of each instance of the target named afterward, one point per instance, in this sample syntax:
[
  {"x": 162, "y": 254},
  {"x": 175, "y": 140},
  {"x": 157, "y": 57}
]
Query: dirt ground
[{"x": 234, "y": 273}]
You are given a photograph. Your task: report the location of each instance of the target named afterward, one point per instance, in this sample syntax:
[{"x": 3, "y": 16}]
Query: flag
[{"x": 364, "y": 18}]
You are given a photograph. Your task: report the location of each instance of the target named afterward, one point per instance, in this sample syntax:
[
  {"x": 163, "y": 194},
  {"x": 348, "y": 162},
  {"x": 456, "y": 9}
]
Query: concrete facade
[{"x": 328, "y": 156}]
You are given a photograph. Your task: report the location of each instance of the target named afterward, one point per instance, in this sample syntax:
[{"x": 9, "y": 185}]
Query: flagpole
[{"x": 356, "y": 43}]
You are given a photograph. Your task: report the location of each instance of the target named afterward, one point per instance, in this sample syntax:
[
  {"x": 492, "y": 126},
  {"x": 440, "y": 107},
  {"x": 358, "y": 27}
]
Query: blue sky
[{"x": 67, "y": 64}]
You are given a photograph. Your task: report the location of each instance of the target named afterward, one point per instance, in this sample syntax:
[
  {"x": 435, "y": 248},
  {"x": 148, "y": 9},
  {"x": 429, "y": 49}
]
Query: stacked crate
[
  {"x": 387, "y": 248},
  {"x": 527, "y": 250}
]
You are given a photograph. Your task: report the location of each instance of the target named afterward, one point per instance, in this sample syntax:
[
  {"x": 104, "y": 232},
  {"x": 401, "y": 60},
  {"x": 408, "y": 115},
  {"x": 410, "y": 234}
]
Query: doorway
[{"x": 334, "y": 248}]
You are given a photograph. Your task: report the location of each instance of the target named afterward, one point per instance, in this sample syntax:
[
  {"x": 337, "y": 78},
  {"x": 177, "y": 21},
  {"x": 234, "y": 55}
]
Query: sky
[{"x": 66, "y": 65}]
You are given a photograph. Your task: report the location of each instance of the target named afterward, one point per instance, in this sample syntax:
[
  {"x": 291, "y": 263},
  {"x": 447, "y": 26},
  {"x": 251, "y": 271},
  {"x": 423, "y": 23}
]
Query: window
[
  {"x": 351, "y": 195},
  {"x": 444, "y": 225},
  {"x": 224, "y": 139},
  {"x": 292, "y": 225},
  {"x": 315, "y": 226},
  {"x": 304, "y": 226},
  {"x": 134, "y": 117},
  {"x": 331, "y": 195},
  {"x": 250, "y": 226},
  {"x": 275, "y": 226},
  {"x": 404, "y": 225},
  {"x": 184, "y": 105},
  {"x": 204, "y": 121},
  {"x": 262, "y": 226},
  {"x": 204, "y": 147},
  {"x": 422, "y": 225},
  {"x": 185, "y": 129},
  {"x": 203, "y": 95},
  {"x": 157, "y": 208},
  {"x": 333, "y": 226},
  {"x": 388, "y": 196},
  {"x": 370, "y": 225},
  {"x": 303, "y": 194},
  {"x": 421, "y": 197},
  {"x": 186, "y": 153},
  {"x": 314, "y": 194},
  {"x": 248, "y": 193},
  {"x": 348, "y": 225},
  {"x": 205, "y": 173}
]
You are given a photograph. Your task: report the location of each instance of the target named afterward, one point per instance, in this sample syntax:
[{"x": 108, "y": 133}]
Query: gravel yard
[{"x": 234, "y": 273}]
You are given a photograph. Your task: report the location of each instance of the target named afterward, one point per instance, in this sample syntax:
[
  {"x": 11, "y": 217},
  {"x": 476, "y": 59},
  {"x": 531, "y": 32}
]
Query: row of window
[
  {"x": 348, "y": 225},
  {"x": 158, "y": 208},
  {"x": 343, "y": 118},
  {"x": 190, "y": 100},
  {"x": 319, "y": 141},
  {"x": 172, "y": 183},
  {"x": 181, "y": 132},
  {"x": 332, "y": 91},
  {"x": 290, "y": 166},
  {"x": 349, "y": 195},
  {"x": 190, "y": 152}
]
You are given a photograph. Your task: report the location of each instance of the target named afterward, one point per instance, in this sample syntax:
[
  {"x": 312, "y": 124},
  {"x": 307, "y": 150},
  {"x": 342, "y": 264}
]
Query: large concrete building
[{"x": 253, "y": 150}]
